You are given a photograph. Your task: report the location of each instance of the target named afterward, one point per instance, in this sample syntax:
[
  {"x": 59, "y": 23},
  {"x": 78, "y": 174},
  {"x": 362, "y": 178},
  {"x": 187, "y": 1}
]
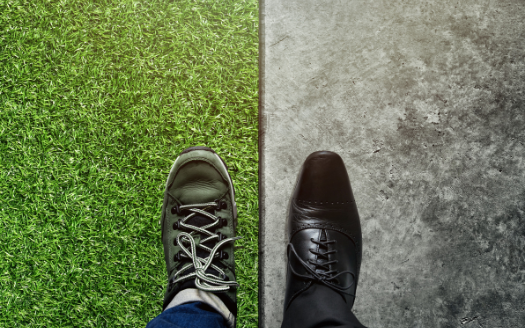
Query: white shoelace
[{"x": 204, "y": 281}]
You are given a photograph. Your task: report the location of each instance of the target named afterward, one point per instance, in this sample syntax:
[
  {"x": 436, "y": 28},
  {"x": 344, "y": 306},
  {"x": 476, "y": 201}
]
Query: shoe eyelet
[
  {"x": 175, "y": 242},
  {"x": 224, "y": 222},
  {"x": 221, "y": 205},
  {"x": 176, "y": 225},
  {"x": 176, "y": 209},
  {"x": 177, "y": 257},
  {"x": 223, "y": 255}
]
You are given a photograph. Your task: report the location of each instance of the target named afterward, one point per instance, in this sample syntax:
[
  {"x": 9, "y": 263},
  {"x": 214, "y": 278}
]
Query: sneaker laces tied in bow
[{"x": 203, "y": 280}]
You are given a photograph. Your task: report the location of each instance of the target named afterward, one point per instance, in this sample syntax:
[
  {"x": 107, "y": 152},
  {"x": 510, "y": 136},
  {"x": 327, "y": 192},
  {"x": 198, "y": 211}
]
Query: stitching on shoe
[{"x": 326, "y": 226}]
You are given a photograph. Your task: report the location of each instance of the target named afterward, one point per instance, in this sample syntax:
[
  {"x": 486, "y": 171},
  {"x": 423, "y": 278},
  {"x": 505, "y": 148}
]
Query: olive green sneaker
[{"x": 198, "y": 221}]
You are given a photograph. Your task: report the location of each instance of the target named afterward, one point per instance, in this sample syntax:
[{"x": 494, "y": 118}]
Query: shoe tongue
[
  {"x": 322, "y": 248},
  {"x": 323, "y": 235},
  {"x": 199, "y": 221}
]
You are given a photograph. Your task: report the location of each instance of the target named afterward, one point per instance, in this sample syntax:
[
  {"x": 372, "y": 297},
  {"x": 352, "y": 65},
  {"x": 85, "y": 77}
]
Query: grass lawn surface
[{"x": 97, "y": 98}]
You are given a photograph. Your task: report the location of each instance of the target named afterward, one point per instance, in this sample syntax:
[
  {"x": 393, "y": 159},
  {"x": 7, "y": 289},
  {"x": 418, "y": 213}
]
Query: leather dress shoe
[{"x": 324, "y": 250}]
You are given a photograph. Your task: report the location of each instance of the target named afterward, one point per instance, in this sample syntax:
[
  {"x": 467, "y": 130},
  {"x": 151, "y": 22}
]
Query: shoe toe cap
[{"x": 323, "y": 178}]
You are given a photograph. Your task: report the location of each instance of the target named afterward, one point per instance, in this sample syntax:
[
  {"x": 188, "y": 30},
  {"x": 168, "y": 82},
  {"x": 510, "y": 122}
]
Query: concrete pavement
[{"x": 425, "y": 102}]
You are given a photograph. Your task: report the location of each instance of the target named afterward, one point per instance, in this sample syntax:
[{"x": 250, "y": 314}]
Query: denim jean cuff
[{"x": 196, "y": 295}]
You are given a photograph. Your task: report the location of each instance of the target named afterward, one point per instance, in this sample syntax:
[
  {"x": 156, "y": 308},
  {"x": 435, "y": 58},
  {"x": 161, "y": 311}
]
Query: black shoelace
[{"x": 325, "y": 276}]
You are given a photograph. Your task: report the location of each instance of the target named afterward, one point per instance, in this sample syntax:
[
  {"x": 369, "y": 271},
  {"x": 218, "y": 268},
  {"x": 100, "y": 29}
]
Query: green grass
[{"x": 97, "y": 98}]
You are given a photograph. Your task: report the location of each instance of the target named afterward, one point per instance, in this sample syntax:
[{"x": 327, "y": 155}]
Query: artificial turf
[{"x": 97, "y": 98}]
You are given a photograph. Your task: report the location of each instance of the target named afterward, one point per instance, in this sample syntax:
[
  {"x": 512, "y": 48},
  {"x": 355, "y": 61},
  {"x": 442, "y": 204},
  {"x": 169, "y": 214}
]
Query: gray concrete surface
[{"x": 425, "y": 102}]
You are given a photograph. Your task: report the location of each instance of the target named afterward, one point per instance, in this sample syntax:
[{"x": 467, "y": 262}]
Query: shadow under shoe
[{"x": 324, "y": 253}]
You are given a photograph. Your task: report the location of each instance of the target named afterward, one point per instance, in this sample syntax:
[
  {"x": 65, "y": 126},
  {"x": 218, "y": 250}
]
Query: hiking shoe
[{"x": 198, "y": 221}]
